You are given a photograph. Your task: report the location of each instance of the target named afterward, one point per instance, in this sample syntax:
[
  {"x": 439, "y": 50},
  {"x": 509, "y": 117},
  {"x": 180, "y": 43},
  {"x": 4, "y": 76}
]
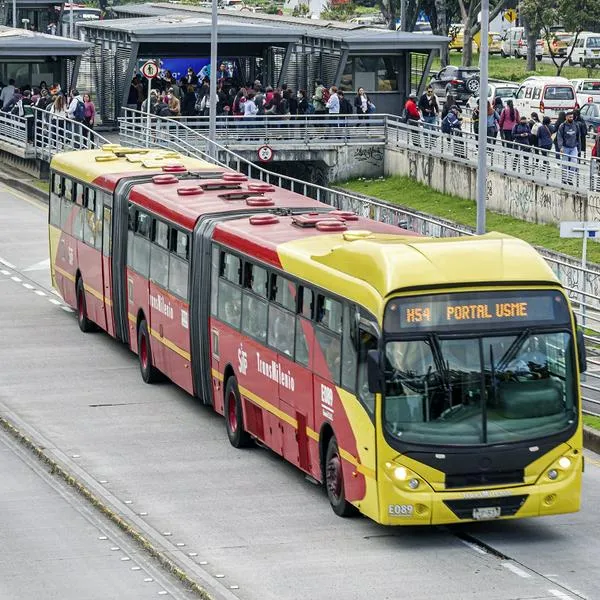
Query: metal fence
[{"x": 13, "y": 131}]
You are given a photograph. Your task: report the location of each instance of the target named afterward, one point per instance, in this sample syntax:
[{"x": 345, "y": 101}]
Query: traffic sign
[
  {"x": 265, "y": 153},
  {"x": 149, "y": 69},
  {"x": 510, "y": 15},
  {"x": 577, "y": 229}
]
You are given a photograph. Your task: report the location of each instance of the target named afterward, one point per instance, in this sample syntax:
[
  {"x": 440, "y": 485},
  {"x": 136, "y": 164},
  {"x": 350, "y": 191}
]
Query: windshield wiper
[{"x": 513, "y": 349}]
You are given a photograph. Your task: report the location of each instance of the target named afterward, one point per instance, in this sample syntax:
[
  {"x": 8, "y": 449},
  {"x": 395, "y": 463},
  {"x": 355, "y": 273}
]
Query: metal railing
[
  {"x": 56, "y": 134},
  {"x": 582, "y": 285},
  {"x": 13, "y": 130},
  {"x": 318, "y": 131}
]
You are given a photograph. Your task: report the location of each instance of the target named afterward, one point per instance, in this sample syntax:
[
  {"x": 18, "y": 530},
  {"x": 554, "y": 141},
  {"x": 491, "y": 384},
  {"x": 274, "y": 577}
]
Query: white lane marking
[
  {"x": 4, "y": 272},
  {"x": 560, "y": 595},
  {"x": 516, "y": 570},
  {"x": 474, "y": 547},
  {"x": 54, "y": 301},
  {"x": 40, "y": 293},
  {"x": 43, "y": 265},
  {"x": 7, "y": 264},
  {"x": 16, "y": 279},
  {"x": 28, "y": 286}
]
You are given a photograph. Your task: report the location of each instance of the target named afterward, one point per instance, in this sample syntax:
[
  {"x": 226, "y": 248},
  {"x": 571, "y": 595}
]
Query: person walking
[
  {"x": 361, "y": 103},
  {"x": 449, "y": 104},
  {"x": 583, "y": 131},
  {"x": 492, "y": 120},
  {"x": 451, "y": 125},
  {"x": 568, "y": 144},
  {"x": 560, "y": 119},
  {"x": 508, "y": 119},
  {"x": 333, "y": 104},
  {"x": 302, "y": 102},
  {"x": 89, "y": 112},
  {"x": 188, "y": 103},
  {"x": 521, "y": 135},
  {"x": 320, "y": 98},
  {"x": 544, "y": 143}
]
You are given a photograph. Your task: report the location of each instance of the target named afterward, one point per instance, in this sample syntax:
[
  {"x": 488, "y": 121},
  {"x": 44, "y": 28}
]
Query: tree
[
  {"x": 541, "y": 16},
  {"x": 469, "y": 10},
  {"x": 390, "y": 9}
]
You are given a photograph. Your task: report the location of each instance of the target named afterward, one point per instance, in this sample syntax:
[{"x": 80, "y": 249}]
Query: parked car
[
  {"x": 514, "y": 44},
  {"x": 462, "y": 82},
  {"x": 586, "y": 50},
  {"x": 586, "y": 90},
  {"x": 590, "y": 113},
  {"x": 558, "y": 43},
  {"x": 495, "y": 43},
  {"x": 545, "y": 95},
  {"x": 503, "y": 89}
]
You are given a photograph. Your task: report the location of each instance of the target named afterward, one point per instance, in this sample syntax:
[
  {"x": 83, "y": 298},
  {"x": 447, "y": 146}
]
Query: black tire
[
  {"x": 334, "y": 481},
  {"x": 150, "y": 374},
  {"x": 85, "y": 324},
  {"x": 234, "y": 416},
  {"x": 503, "y": 54}
]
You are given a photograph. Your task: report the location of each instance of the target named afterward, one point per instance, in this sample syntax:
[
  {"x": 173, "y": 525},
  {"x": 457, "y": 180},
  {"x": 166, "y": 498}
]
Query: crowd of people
[
  {"x": 189, "y": 96},
  {"x": 64, "y": 108}
]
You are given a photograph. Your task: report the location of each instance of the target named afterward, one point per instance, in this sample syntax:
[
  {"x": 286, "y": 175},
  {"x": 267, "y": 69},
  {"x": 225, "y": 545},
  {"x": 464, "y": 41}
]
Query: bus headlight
[
  {"x": 413, "y": 483},
  {"x": 564, "y": 462},
  {"x": 403, "y": 477},
  {"x": 400, "y": 473},
  {"x": 552, "y": 474}
]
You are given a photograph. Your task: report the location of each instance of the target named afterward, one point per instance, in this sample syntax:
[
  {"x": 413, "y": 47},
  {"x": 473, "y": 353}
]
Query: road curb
[
  {"x": 59, "y": 471},
  {"x": 24, "y": 186},
  {"x": 591, "y": 439}
]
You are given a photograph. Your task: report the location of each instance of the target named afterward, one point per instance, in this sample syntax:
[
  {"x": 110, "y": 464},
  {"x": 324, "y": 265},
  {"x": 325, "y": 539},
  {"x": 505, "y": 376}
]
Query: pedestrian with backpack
[
  {"x": 75, "y": 116},
  {"x": 24, "y": 109},
  {"x": 320, "y": 98}
]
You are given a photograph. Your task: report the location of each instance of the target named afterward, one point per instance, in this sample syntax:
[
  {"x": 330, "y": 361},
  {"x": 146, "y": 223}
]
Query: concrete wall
[{"x": 508, "y": 195}]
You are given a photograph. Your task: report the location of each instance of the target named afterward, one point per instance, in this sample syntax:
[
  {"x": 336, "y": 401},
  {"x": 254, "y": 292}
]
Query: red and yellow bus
[{"x": 422, "y": 381}]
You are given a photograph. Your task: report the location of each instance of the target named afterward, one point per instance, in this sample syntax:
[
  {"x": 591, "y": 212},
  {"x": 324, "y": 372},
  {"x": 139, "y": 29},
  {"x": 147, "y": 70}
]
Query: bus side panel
[
  {"x": 108, "y": 295},
  {"x": 90, "y": 267},
  {"x": 137, "y": 300},
  {"x": 66, "y": 256}
]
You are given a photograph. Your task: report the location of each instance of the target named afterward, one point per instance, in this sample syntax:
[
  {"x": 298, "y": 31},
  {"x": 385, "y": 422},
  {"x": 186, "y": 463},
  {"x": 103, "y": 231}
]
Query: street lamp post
[
  {"x": 14, "y": 14},
  {"x": 483, "y": 102},
  {"x": 212, "y": 112}
]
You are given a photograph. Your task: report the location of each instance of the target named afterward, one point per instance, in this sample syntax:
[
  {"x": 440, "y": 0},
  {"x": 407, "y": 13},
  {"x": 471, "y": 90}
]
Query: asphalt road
[{"x": 243, "y": 523}]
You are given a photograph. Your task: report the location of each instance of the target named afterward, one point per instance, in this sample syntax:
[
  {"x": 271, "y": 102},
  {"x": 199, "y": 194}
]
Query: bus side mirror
[
  {"x": 581, "y": 351},
  {"x": 374, "y": 374}
]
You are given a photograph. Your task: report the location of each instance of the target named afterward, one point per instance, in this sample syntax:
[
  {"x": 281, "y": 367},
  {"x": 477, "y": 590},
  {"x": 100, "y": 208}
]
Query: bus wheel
[
  {"x": 234, "y": 420},
  {"x": 334, "y": 481},
  {"x": 150, "y": 374},
  {"x": 84, "y": 323}
]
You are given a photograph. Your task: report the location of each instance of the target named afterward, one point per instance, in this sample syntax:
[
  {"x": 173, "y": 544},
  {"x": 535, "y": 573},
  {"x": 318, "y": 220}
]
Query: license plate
[{"x": 489, "y": 512}]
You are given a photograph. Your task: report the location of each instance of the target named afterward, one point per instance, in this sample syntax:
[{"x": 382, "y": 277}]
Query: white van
[
  {"x": 545, "y": 95},
  {"x": 586, "y": 50},
  {"x": 514, "y": 43}
]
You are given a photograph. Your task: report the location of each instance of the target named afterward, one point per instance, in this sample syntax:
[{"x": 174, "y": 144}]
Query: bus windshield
[{"x": 459, "y": 385}]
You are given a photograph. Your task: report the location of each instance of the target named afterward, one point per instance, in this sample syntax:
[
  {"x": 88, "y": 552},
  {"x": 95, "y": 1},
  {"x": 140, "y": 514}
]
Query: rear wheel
[
  {"x": 503, "y": 54},
  {"x": 150, "y": 374},
  {"x": 82, "y": 319},
  {"x": 334, "y": 481},
  {"x": 234, "y": 417}
]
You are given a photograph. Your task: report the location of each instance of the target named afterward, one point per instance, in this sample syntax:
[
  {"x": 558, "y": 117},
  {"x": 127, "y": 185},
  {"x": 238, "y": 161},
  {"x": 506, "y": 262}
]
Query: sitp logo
[{"x": 242, "y": 360}]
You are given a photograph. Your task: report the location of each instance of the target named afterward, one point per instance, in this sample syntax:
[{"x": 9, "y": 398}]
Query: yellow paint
[
  {"x": 54, "y": 240},
  {"x": 89, "y": 165},
  {"x": 163, "y": 340}
]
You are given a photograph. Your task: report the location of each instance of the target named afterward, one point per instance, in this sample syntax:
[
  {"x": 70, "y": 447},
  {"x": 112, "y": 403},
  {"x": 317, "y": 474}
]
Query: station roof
[
  {"x": 25, "y": 43},
  {"x": 350, "y": 35}
]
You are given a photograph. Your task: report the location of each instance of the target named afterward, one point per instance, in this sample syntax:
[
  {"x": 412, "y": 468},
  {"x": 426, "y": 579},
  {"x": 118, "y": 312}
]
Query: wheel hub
[
  {"x": 232, "y": 413},
  {"x": 334, "y": 476}
]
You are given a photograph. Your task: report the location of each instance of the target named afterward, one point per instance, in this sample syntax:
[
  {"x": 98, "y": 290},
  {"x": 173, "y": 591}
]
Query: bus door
[{"x": 107, "y": 261}]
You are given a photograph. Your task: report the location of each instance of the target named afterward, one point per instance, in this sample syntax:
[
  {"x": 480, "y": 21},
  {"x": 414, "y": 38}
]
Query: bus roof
[
  {"x": 184, "y": 200},
  {"x": 385, "y": 258},
  {"x": 105, "y": 167}
]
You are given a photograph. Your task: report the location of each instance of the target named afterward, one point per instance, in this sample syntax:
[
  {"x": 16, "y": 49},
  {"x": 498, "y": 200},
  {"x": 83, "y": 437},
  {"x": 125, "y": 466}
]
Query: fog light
[
  {"x": 550, "y": 499},
  {"x": 400, "y": 473},
  {"x": 564, "y": 462},
  {"x": 552, "y": 474},
  {"x": 413, "y": 483}
]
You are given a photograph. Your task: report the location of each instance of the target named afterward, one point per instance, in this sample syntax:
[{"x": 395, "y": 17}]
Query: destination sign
[{"x": 482, "y": 308}]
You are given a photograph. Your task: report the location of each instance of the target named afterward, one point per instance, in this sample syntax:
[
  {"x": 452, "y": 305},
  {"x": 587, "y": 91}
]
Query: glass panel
[
  {"x": 254, "y": 317},
  {"x": 178, "y": 276},
  {"x": 283, "y": 291},
  {"x": 281, "y": 330},
  {"x": 57, "y": 184},
  {"x": 161, "y": 234},
  {"x": 230, "y": 300},
  {"x": 78, "y": 220},
  {"x": 329, "y": 313},
  {"x": 330, "y": 345},
  {"x": 159, "y": 266},
  {"x": 130, "y": 240},
  {"x": 231, "y": 266},
  {"x": 367, "y": 342},
  {"x": 68, "y": 188},
  {"x": 65, "y": 213},
  {"x": 141, "y": 255},
  {"x": 434, "y": 394},
  {"x": 214, "y": 278},
  {"x": 348, "y": 352},
  {"x": 558, "y": 93},
  {"x": 88, "y": 227},
  {"x": 180, "y": 244},
  {"x": 301, "y": 343},
  {"x": 256, "y": 279},
  {"x": 98, "y": 222},
  {"x": 107, "y": 232},
  {"x": 55, "y": 210},
  {"x": 143, "y": 224},
  {"x": 306, "y": 302}
]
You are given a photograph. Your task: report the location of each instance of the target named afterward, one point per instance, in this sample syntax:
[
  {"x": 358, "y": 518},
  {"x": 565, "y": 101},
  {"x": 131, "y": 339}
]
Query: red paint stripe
[{"x": 247, "y": 247}]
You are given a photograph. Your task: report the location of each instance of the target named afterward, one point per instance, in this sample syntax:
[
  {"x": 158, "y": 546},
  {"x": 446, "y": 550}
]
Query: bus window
[
  {"x": 305, "y": 307},
  {"x": 331, "y": 347},
  {"x": 231, "y": 267},
  {"x": 98, "y": 222},
  {"x": 348, "y": 351},
  {"x": 67, "y": 189},
  {"x": 141, "y": 243},
  {"x": 180, "y": 244},
  {"x": 329, "y": 313},
  {"x": 78, "y": 193},
  {"x": 107, "y": 232},
  {"x": 367, "y": 341},
  {"x": 281, "y": 330},
  {"x": 161, "y": 234},
  {"x": 254, "y": 317},
  {"x": 159, "y": 265},
  {"x": 214, "y": 288},
  {"x": 89, "y": 199},
  {"x": 301, "y": 347},
  {"x": 229, "y": 304},
  {"x": 55, "y": 199},
  {"x": 178, "y": 276},
  {"x": 255, "y": 279},
  {"x": 283, "y": 292}
]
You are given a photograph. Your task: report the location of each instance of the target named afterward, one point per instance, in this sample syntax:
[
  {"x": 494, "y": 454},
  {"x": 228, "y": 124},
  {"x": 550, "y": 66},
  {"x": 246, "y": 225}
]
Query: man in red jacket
[{"x": 413, "y": 116}]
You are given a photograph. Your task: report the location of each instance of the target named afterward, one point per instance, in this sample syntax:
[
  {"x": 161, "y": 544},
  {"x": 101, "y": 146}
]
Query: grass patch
[
  {"x": 41, "y": 185},
  {"x": 591, "y": 421},
  {"x": 513, "y": 69},
  {"x": 412, "y": 194}
]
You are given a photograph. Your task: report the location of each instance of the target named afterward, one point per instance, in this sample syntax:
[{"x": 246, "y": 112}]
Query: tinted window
[
  {"x": 283, "y": 292},
  {"x": 229, "y": 306},
  {"x": 305, "y": 307},
  {"x": 329, "y": 313},
  {"x": 330, "y": 346},
  {"x": 161, "y": 234},
  {"x": 142, "y": 224},
  {"x": 178, "y": 276},
  {"x": 180, "y": 244},
  {"x": 254, "y": 317},
  {"x": 231, "y": 267},
  {"x": 141, "y": 255},
  {"x": 159, "y": 266},
  {"x": 256, "y": 279},
  {"x": 301, "y": 349},
  {"x": 348, "y": 351},
  {"x": 558, "y": 92},
  {"x": 281, "y": 330}
]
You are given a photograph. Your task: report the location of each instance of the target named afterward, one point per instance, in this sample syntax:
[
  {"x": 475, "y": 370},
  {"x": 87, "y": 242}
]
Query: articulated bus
[{"x": 421, "y": 381}]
